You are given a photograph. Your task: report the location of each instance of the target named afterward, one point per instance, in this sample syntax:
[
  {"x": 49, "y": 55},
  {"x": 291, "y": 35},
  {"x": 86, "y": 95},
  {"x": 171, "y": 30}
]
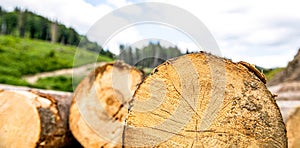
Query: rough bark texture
[
  {"x": 293, "y": 128},
  {"x": 100, "y": 105},
  {"x": 34, "y": 119},
  {"x": 199, "y": 100}
]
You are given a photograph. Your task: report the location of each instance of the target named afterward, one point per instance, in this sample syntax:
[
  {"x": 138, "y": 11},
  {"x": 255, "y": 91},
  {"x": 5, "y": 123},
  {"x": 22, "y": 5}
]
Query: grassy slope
[
  {"x": 20, "y": 57},
  {"x": 271, "y": 73}
]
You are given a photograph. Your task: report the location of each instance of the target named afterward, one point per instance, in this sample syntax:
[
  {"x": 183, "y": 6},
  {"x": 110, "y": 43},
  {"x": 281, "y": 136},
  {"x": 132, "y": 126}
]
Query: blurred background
[{"x": 39, "y": 39}]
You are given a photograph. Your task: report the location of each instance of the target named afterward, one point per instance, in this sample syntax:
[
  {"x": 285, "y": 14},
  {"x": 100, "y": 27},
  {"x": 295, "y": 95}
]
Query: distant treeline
[
  {"x": 148, "y": 56},
  {"x": 26, "y": 24}
]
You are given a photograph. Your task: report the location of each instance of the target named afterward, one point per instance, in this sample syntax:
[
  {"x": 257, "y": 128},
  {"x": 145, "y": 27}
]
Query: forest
[
  {"x": 148, "y": 56},
  {"x": 26, "y": 24}
]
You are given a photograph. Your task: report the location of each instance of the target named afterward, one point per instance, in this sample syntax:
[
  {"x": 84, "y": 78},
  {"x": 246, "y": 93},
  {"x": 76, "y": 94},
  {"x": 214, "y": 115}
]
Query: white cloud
[
  {"x": 183, "y": 46},
  {"x": 118, "y": 3},
  {"x": 245, "y": 30},
  {"x": 265, "y": 33},
  {"x": 128, "y": 36},
  {"x": 269, "y": 61}
]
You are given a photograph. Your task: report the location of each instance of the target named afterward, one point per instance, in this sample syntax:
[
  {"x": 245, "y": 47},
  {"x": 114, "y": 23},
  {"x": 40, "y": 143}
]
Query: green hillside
[
  {"x": 269, "y": 73},
  {"x": 272, "y": 72},
  {"x": 23, "y": 56},
  {"x": 26, "y": 24}
]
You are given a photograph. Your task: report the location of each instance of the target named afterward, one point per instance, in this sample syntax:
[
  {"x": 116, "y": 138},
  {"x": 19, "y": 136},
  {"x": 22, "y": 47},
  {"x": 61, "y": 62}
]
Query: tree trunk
[
  {"x": 53, "y": 32},
  {"x": 200, "y": 100},
  {"x": 33, "y": 119},
  {"x": 100, "y": 105}
]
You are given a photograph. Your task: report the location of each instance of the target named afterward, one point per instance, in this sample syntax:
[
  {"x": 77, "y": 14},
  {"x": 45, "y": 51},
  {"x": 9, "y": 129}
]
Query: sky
[{"x": 265, "y": 33}]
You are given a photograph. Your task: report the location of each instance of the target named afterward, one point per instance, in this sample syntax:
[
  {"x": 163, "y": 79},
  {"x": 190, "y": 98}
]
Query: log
[
  {"x": 34, "y": 119},
  {"x": 200, "y": 100},
  {"x": 100, "y": 104},
  {"x": 293, "y": 128}
]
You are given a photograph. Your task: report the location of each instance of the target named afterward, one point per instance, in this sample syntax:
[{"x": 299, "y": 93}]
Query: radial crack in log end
[
  {"x": 214, "y": 101},
  {"x": 100, "y": 104}
]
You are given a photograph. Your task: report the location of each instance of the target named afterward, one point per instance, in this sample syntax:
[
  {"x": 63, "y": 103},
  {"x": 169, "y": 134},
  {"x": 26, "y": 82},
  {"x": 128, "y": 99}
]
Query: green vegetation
[
  {"x": 6, "y": 79},
  {"x": 272, "y": 72},
  {"x": 23, "y": 23},
  {"x": 147, "y": 71},
  {"x": 23, "y": 56},
  {"x": 26, "y": 24},
  {"x": 63, "y": 83},
  {"x": 269, "y": 73},
  {"x": 30, "y": 44}
]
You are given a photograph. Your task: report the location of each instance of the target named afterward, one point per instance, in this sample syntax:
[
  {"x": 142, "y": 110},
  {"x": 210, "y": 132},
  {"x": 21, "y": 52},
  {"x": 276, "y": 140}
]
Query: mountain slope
[{"x": 290, "y": 74}]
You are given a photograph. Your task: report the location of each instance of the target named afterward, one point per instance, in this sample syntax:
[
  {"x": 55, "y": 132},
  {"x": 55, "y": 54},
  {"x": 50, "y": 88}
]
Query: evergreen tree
[
  {"x": 149, "y": 56},
  {"x": 122, "y": 54},
  {"x": 137, "y": 55},
  {"x": 11, "y": 20},
  {"x": 21, "y": 23},
  {"x": 27, "y": 24},
  {"x": 187, "y": 51},
  {"x": 130, "y": 56}
]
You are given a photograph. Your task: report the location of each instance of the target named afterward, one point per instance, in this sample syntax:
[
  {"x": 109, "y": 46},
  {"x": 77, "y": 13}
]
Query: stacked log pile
[{"x": 196, "y": 100}]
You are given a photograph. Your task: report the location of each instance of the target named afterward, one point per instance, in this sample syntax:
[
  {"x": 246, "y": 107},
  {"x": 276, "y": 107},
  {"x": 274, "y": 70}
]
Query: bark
[
  {"x": 200, "y": 100},
  {"x": 34, "y": 119}
]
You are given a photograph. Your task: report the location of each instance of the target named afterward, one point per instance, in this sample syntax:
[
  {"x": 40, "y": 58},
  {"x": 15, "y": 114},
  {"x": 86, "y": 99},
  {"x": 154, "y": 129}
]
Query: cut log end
[
  {"x": 100, "y": 104},
  {"x": 293, "y": 129},
  {"x": 23, "y": 120},
  {"x": 33, "y": 118},
  {"x": 204, "y": 101}
]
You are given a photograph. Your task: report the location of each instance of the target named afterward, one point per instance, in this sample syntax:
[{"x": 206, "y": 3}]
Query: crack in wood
[
  {"x": 203, "y": 131},
  {"x": 168, "y": 118},
  {"x": 168, "y": 132},
  {"x": 187, "y": 103},
  {"x": 117, "y": 112}
]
